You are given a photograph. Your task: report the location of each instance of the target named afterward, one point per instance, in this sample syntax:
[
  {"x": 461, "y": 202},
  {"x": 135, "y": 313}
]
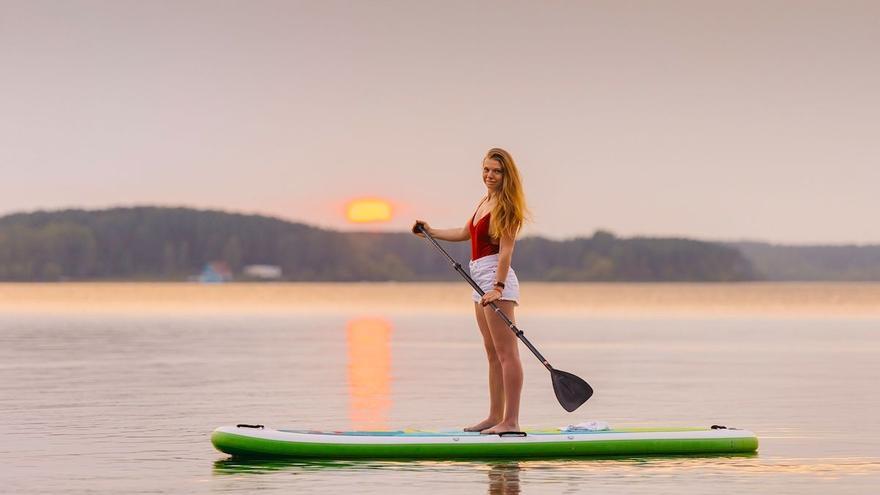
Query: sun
[{"x": 369, "y": 210}]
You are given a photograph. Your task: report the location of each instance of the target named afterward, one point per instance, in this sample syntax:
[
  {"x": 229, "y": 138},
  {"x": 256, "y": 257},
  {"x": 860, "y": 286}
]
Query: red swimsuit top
[{"x": 481, "y": 242}]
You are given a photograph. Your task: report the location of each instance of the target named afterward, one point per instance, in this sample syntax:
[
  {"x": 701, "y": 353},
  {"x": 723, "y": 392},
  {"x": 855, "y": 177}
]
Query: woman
[{"x": 492, "y": 230}]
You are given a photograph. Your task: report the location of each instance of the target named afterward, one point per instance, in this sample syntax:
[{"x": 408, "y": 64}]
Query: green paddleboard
[{"x": 262, "y": 442}]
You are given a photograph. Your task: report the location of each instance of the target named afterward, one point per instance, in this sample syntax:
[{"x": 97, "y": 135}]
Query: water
[{"x": 124, "y": 402}]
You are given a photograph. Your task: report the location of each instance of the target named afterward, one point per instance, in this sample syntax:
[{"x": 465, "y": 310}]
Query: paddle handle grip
[{"x": 519, "y": 333}]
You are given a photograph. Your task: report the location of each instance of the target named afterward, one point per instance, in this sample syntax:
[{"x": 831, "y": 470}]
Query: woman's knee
[
  {"x": 508, "y": 357},
  {"x": 493, "y": 359}
]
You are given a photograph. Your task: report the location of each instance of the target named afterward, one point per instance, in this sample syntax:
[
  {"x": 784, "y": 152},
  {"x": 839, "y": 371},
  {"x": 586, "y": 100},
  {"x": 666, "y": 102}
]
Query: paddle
[{"x": 571, "y": 391}]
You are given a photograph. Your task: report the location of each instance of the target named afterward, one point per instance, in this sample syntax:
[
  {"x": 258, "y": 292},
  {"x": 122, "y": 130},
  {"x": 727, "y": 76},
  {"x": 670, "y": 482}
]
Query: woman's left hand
[{"x": 492, "y": 295}]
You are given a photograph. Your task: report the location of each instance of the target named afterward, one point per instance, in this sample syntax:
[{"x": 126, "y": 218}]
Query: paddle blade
[{"x": 570, "y": 389}]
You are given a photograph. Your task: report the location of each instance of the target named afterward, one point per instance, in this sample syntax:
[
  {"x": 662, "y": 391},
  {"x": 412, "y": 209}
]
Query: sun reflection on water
[{"x": 369, "y": 372}]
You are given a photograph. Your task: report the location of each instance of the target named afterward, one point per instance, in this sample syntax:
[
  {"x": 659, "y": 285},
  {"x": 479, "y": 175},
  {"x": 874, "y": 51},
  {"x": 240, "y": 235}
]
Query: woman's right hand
[{"x": 415, "y": 228}]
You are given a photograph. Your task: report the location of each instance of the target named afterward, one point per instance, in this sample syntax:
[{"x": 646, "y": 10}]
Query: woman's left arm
[{"x": 505, "y": 256}]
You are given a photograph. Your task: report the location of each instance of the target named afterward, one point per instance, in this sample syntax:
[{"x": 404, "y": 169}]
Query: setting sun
[{"x": 368, "y": 210}]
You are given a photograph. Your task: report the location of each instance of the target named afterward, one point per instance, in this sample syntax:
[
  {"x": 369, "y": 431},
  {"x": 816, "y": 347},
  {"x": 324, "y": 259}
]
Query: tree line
[
  {"x": 851, "y": 263},
  {"x": 154, "y": 243}
]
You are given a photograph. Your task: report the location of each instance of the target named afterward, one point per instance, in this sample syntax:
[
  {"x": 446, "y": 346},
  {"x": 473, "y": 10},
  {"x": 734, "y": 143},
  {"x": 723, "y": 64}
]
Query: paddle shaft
[{"x": 519, "y": 333}]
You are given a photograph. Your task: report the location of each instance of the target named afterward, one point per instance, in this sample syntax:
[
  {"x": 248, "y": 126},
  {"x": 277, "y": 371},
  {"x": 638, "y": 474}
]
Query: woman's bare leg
[
  {"x": 507, "y": 350},
  {"x": 496, "y": 384}
]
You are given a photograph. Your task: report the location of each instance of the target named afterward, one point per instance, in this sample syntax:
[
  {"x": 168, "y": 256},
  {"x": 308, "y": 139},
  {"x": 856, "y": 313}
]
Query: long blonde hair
[{"x": 510, "y": 211}]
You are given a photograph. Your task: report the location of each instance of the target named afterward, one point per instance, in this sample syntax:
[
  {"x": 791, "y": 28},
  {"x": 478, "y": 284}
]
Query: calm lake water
[{"x": 124, "y": 401}]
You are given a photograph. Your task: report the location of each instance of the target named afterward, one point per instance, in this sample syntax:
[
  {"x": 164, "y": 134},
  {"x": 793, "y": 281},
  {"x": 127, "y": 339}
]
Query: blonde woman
[{"x": 492, "y": 230}]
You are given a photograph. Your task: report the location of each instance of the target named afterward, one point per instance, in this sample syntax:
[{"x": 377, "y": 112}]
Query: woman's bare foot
[
  {"x": 500, "y": 428},
  {"x": 482, "y": 425}
]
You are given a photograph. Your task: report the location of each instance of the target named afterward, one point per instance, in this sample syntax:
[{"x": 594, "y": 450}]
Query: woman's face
[{"x": 493, "y": 174}]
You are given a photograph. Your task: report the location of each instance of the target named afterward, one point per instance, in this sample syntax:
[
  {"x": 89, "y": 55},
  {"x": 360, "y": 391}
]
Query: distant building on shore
[
  {"x": 215, "y": 272},
  {"x": 262, "y": 272}
]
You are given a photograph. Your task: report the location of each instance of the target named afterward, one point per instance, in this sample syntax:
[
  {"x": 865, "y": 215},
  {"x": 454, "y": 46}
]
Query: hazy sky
[{"x": 708, "y": 119}]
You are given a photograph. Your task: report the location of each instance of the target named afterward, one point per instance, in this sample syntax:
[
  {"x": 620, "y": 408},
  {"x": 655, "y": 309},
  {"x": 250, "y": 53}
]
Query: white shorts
[{"x": 483, "y": 272}]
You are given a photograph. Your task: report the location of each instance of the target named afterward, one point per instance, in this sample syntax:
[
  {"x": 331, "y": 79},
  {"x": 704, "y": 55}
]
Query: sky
[{"x": 719, "y": 120}]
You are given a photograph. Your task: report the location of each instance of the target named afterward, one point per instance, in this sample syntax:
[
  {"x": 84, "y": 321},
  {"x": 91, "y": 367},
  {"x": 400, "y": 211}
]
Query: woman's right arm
[{"x": 454, "y": 235}]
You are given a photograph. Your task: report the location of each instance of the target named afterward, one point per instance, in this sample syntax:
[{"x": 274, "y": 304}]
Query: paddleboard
[{"x": 257, "y": 441}]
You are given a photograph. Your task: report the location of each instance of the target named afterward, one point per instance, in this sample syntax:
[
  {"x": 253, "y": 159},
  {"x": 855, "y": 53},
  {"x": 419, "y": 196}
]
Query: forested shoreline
[{"x": 157, "y": 243}]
